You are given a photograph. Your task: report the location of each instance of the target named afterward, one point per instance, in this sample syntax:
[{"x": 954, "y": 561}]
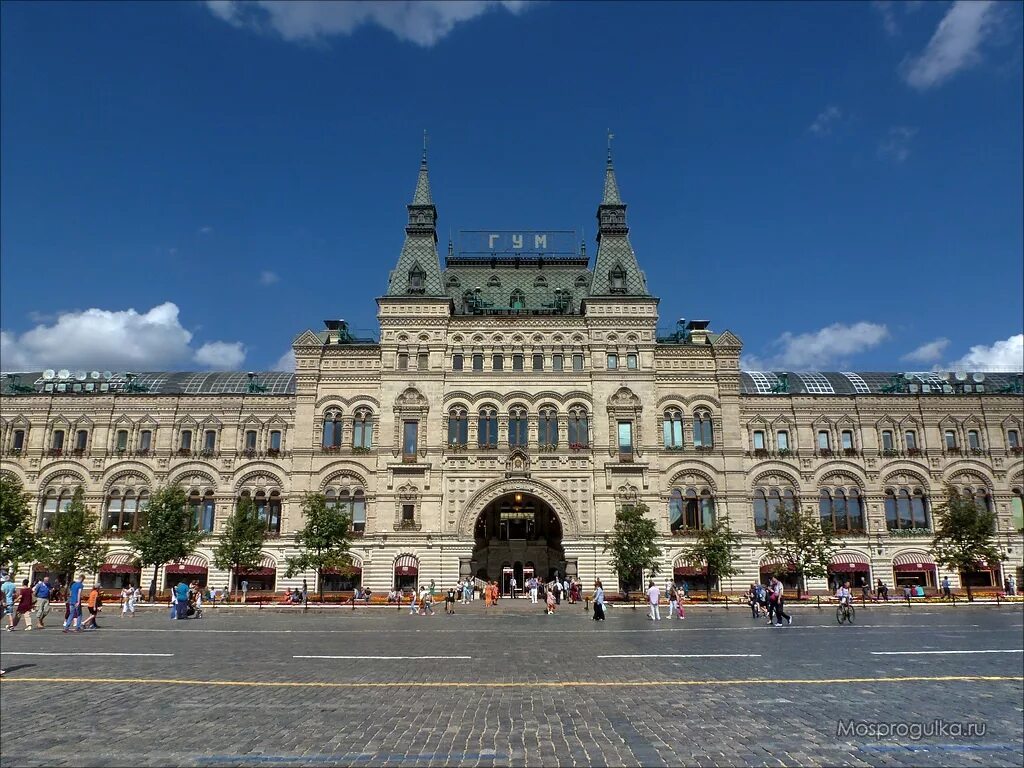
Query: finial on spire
[
  {"x": 424, "y": 146},
  {"x": 610, "y": 137}
]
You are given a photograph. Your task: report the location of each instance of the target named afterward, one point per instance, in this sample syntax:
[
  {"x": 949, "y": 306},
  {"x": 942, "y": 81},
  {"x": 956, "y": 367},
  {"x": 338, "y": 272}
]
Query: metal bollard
[{"x": 818, "y": 598}]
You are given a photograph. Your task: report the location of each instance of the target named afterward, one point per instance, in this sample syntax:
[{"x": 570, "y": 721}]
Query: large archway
[{"x": 517, "y": 535}]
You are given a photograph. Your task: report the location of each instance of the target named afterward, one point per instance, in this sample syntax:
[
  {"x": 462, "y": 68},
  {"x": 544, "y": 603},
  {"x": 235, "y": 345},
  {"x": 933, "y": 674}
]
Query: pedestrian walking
[
  {"x": 533, "y": 589},
  {"x": 23, "y": 606},
  {"x": 10, "y": 590},
  {"x": 1013, "y": 585},
  {"x": 946, "y": 594},
  {"x": 245, "y": 590},
  {"x": 305, "y": 593},
  {"x": 449, "y": 602},
  {"x": 427, "y": 600},
  {"x": 882, "y": 591},
  {"x": 755, "y": 609},
  {"x": 94, "y": 604},
  {"x": 598, "y": 601},
  {"x": 512, "y": 586},
  {"x": 673, "y": 601},
  {"x": 780, "y": 612},
  {"x": 654, "y": 601},
  {"x": 42, "y": 593},
  {"x": 550, "y": 603},
  {"x": 73, "y": 607},
  {"x": 181, "y": 593}
]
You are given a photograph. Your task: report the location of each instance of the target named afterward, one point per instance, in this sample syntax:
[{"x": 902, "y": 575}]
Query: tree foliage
[
  {"x": 74, "y": 541},
  {"x": 17, "y": 534},
  {"x": 634, "y": 543},
  {"x": 324, "y": 539},
  {"x": 800, "y": 542},
  {"x": 716, "y": 547},
  {"x": 241, "y": 543},
  {"x": 165, "y": 533},
  {"x": 964, "y": 535}
]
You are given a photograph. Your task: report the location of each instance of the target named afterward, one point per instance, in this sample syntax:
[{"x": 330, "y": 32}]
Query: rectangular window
[
  {"x": 81, "y": 439},
  {"x": 613, "y": 361},
  {"x": 18, "y": 443},
  {"x": 359, "y": 515},
  {"x": 423, "y": 361},
  {"x": 403, "y": 361},
  {"x": 275, "y": 440},
  {"x": 577, "y": 362},
  {"x": 782, "y": 440},
  {"x": 758, "y": 440},
  {"x": 478, "y": 362},
  {"x": 823, "y": 442},
  {"x": 631, "y": 361},
  {"x": 887, "y": 441},
  {"x": 517, "y": 362},
  {"x": 410, "y": 433},
  {"x": 250, "y": 440},
  {"x": 910, "y": 437},
  {"x": 847, "y": 437},
  {"x": 498, "y": 363},
  {"x": 973, "y": 440},
  {"x": 456, "y": 362},
  {"x": 122, "y": 439},
  {"x": 538, "y": 362},
  {"x": 1013, "y": 438},
  {"x": 950, "y": 437},
  {"x": 556, "y": 362},
  {"x": 145, "y": 441},
  {"x": 210, "y": 440},
  {"x": 408, "y": 513},
  {"x": 186, "y": 440},
  {"x": 626, "y": 438},
  {"x": 58, "y": 440}
]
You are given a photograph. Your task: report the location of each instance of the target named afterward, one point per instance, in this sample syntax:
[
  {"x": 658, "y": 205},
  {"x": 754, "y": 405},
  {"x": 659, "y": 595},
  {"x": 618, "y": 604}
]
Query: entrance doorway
[{"x": 522, "y": 533}]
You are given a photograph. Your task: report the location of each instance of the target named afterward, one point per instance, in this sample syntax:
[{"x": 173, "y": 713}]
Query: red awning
[
  {"x": 348, "y": 570},
  {"x": 119, "y": 568},
  {"x": 407, "y": 565},
  {"x": 193, "y": 564},
  {"x": 257, "y": 572},
  {"x": 913, "y": 567},
  {"x": 690, "y": 570},
  {"x": 917, "y": 559},
  {"x": 848, "y": 567}
]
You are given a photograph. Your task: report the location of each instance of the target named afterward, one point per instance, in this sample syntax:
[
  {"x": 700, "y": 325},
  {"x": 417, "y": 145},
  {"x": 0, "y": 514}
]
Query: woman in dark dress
[{"x": 24, "y": 605}]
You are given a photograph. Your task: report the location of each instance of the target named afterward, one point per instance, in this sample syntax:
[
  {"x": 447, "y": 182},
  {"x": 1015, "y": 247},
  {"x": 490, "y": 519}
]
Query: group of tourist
[
  {"x": 769, "y": 601},
  {"x": 24, "y": 601}
]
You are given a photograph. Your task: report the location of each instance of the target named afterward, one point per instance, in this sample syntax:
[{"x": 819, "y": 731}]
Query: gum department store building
[{"x": 518, "y": 397}]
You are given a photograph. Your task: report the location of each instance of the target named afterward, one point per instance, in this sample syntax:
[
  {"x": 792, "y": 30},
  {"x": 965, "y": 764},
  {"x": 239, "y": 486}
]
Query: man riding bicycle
[{"x": 843, "y": 594}]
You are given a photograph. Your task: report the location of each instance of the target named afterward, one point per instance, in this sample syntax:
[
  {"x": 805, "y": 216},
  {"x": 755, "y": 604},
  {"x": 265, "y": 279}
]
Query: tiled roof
[
  {"x": 874, "y": 383},
  {"x": 536, "y": 279}
]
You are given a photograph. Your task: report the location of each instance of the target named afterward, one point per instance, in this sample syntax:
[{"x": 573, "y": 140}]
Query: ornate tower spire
[
  {"x": 418, "y": 272},
  {"x": 616, "y": 271}
]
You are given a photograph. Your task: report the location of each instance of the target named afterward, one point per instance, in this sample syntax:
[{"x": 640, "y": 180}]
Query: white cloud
[
  {"x": 955, "y": 45},
  {"x": 101, "y": 339},
  {"x": 221, "y": 355},
  {"x": 268, "y": 278},
  {"x": 205, "y": 230},
  {"x": 927, "y": 353},
  {"x": 888, "y": 13},
  {"x": 423, "y": 22},
  {"x": 819, "y": 349},
  {"x": 896, "y": 143},
  {"x": 1005, "y": 355},
  {"x": 823, "y": 123},
  {"x": 286, "y": 362}
]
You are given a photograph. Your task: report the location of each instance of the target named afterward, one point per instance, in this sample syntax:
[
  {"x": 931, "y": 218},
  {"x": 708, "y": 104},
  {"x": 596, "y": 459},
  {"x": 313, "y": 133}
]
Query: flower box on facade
[
  {"x": 785, "y": 453},
  {"x": 361, "y": 450},
  {"x": 579, "y": 446},
  {"x": 184, "y": 452},
  {"x": 890, "y": 453},
  {"x": 913, "y": 452},
  {"x": 849, "y": 452},
  {"x": 1017, "y": 450},
  {"x": 54, "y": 452},
  {"x": 909, "y": 532},
  {"x": 458, "y": 447},
  {"x": 760, "y": 453},
  {"x": 825, "y": 452}
]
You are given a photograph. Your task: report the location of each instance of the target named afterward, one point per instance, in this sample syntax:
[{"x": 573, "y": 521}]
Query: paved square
[{"x": 512, "y": 686}]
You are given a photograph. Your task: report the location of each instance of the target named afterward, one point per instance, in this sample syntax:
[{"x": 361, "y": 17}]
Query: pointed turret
[
  {"x": 418, "y": 272},
  {"x": 616, "y": 271}
]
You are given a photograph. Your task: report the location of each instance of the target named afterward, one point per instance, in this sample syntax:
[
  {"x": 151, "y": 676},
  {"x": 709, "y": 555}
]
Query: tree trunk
[
  {"x": 970, "y": 597},
  {"x": 156, "y": 570},
  {"x": 799, "y": 585},
  {"x": 320, "y": 584},
  {"x": 709, "y": 586}
]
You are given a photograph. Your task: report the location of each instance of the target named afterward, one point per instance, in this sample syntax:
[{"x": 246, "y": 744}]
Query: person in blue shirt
[
  {"x": 42, "y": 591},
  {"x": 9, "y": 588},
  {"x": 74, "y": 606},
  {"x": 181, "y": 592}
]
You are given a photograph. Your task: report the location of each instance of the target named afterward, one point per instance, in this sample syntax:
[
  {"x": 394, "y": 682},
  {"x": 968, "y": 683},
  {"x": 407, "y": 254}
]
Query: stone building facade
[{"x": 515, "y": 399}]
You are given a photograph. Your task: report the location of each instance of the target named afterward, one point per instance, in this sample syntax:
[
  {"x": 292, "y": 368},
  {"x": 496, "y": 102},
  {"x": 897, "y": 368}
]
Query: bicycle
[{"x": 845, "y": 612}]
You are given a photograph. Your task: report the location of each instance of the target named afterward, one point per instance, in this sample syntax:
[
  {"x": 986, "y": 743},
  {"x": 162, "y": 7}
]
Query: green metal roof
[{"x": 518, "y": 285}]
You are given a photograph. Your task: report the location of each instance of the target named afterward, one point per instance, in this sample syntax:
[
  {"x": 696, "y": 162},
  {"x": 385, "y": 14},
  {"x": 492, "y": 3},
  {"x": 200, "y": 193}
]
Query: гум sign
[{"x": 523, "y": 243}]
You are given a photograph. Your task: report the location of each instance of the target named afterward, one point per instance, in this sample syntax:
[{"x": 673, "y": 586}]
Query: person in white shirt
[
  {"x": 512, "y": 586},
  {"x": 654, "y": 598},
  {"x": 843, "y": 594},
  {"x": 533, "y": 589}
]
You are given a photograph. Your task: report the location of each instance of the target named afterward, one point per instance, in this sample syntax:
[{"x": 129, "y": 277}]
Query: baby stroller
[{"x": 195, "y": 609}]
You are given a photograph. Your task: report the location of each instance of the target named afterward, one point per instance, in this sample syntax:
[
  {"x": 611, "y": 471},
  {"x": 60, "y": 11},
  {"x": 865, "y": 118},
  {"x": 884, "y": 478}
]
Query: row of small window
[
  {"x": 518, "y": 363},
  {"x": 145, "y": 442},
  {"x": 703, "y": 429},
  {"x": 888, "y": 440},
  {"x": 578, "y": 428}
]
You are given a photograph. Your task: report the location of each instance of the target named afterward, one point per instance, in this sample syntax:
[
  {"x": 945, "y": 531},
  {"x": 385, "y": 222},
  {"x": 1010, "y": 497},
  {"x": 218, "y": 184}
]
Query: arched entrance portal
[{"x": 518, "y": 534}]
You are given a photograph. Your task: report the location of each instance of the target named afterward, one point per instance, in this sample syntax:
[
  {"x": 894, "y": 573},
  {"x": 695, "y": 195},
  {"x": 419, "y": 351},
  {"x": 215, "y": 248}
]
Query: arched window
[
  {"x": 487, "y": 428},
  {"x": 362, "y": 432},
  {"x": 674, "y": 428},
  {"x": 54, "y": 503},
  {"x": 358, "y": 511},
  {"x": 332, "y": 431},
  {"x": 579, "y": 428},
  {"x": 617, "y": 279},
  {"x": 981, "y": 497},
  {"x": 540, "y": 282},
  {"x": 696, "y": 509},
  {"x": 906, "y": 508},
  {"x": 417, "y": 279},
  {"x": 703, "y": 430},
  {"x": 675, "y": 510},
  {"x": 517, "y": 427},
  {"x": 547, "y": 428},
  {"x": 841, "y": 510},
  {"x": 203, "y": 509},
  {"x": 458, "y": 427},
  {"x": 517, "y": 300},
  {"x": 1017, "y": 510},
  {"x": 123, "y": 510}
]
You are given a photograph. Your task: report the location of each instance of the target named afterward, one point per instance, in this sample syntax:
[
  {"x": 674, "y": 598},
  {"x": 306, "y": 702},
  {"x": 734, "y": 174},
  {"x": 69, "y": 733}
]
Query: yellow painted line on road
[{"x": 506, "y": 684}]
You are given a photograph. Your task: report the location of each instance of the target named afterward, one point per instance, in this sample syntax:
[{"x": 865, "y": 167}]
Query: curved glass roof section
[
  {"x": 879, "y": 383},
  {"x": 156, "y": 383}
]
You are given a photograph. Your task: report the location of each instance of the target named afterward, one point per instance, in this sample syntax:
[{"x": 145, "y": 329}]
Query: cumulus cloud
[
  {"x": 819, "y": 349},
  {"x": 102, "y": 339},
  {"x": 286, "y": 362},
  {"x": 423, "y": 22},
  {"x": 268, "y": 278},
  {"x": 928, "y": 353},
  {"x": 221, "y": 355},
  {"x": 956, "y": 44},
  {"x": 823, "y": 123},
  {"x": 1005, "y": 355},
  {"x": 896, "y": 143}
]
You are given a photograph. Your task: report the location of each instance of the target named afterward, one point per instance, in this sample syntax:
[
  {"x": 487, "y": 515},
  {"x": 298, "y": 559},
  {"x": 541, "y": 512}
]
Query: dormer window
[
  {"x": 517, "y": 300},
  {"x": 417, "y": 279},
  {"x": 617, "y": 280}
]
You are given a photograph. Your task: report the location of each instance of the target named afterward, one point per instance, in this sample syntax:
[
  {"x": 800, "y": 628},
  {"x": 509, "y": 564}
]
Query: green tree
[
  {"x": 801, "y": 542},
  {"x": 634, "y": 544},
  {"x": 241, "y": 543},
  {"x": 964, "y": 535},
  {"x": 165, "y": 533},
  {"x": 716, "y": 546},
  {"x": 324, "y": 539},
  {"x": 17, "y": 537},
  {"x": 73, "y": 542}
]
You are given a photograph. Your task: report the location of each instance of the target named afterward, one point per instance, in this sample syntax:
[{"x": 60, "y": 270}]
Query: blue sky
[{"x": 189, "y": 185}]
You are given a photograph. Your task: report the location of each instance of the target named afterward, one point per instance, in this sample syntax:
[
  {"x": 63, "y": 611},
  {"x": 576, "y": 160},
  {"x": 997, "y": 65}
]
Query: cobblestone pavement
[{"x": 247, "y": 688}]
